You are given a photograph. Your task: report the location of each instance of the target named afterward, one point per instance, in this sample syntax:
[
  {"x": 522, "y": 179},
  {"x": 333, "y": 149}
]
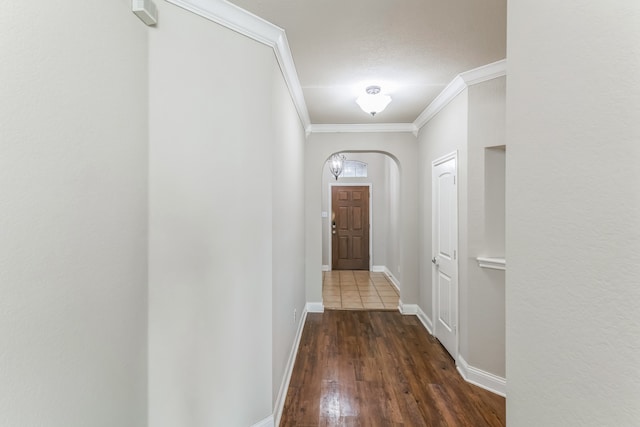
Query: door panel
[
  {"x": 343, "y": 244},
  {"x": 356, "y": 218},
  {"x": 444, "y": 255},
  {"x": 357, "y": 247},
  {"x": 444, "y": 301},
  {"x": 350, "y": 242}
]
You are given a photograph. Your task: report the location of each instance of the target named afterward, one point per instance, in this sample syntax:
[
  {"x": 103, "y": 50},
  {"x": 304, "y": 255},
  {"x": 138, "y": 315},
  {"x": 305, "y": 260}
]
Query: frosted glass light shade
[{"x": 373, "y": 102}]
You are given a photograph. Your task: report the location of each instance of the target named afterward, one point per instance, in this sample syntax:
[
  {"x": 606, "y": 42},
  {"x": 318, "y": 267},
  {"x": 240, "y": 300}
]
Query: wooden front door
[{"x": 350, "y": 227}]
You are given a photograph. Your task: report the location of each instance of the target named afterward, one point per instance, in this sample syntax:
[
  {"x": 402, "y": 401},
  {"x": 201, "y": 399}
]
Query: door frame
[
  {"x": 350, "y": 184},
  {"x": 434, "y": 291}
]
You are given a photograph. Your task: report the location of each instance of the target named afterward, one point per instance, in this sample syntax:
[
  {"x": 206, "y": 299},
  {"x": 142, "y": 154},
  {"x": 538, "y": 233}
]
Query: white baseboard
[
  {"x": 470, "y": 374},
  {"x": 314, "y": 307},
  {"x": 395, "y": 282},
  {"x": 284, "y": 385},
  {"x": 407, "y": 309},
  {"x": 424, "y": 319},
  {"x": 378, "y": 268},
  {"x": 483, "y": 379},
  {"x": 415, "y": 310},
  {"x": 326, "y": 268},
  {"x": 267, "y": 422}
]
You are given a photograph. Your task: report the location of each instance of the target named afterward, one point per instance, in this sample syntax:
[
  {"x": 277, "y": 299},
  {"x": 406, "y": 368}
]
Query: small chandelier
[
  {"x": 373, "y": 102},
  {"x": 336, "y": 163}
]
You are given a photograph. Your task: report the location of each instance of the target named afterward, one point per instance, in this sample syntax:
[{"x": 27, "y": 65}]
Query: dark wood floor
[{"x": 374, "y": 368}]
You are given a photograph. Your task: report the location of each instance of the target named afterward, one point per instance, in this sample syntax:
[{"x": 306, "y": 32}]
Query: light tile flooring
[{"x": 358, "y": 290}]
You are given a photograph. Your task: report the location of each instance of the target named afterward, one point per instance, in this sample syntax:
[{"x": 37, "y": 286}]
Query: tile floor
[{"x": 358, "y": 290}]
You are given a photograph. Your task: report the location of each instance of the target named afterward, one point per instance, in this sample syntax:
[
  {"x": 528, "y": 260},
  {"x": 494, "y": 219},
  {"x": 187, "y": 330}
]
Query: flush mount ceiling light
[
  {"x": 336, "y": 163},
  {"x": 373, "y": 102}
]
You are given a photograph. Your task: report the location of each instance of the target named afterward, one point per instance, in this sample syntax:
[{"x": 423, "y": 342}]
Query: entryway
[
  {"x": 350, "y": 227},
  {"x": 358, "y": 290}
]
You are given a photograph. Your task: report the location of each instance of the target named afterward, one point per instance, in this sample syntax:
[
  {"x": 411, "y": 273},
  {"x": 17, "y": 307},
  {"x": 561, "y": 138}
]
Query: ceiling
[{"x": 411, "y": 48}]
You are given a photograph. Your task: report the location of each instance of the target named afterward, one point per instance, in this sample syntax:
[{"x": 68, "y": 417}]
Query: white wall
[
  {"x": 573, "y": 213},
  {"x": 392, "y": 239},
  {"x": 471, "y": 122},
  {"x": 73, "y": 197},
  {"x": 443, "y": 134},
  {"x": 226, "y": 229},
  {"x": 403, "y": 147},
  {"x": 485, "y": 229},
  {"x": 288, "y": 228},
  {"x": 376, "y": 176}
]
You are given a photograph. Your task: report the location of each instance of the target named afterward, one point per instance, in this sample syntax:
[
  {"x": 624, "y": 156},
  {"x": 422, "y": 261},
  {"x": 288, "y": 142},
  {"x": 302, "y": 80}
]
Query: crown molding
[
  {"x": 452, "y": 90},
  {"x": 353, "y": 128},
  {"x": 484, "y": 73},
  {"x": 243, "y": 22},
  {"x": 457, "y": 85}
]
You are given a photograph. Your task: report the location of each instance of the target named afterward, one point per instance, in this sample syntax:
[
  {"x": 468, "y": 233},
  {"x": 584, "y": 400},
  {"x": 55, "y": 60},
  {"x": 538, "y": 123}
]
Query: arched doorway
[
  {"x": 402, "y": 149},
  {"x": 360, "y": 232}
]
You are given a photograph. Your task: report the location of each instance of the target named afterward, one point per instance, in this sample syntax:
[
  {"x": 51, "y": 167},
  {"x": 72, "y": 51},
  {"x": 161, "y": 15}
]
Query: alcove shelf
[{"x": 493, "y": 263}]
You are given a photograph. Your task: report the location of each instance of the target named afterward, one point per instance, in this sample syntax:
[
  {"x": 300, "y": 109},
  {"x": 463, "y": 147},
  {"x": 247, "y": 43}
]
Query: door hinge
[
  {"x": 454, "y": 254},
  {"x": 454, "y": 180}
]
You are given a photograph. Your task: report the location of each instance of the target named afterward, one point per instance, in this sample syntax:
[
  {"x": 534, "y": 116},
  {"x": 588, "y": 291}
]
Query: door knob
[{"x": 434, "y": 261}]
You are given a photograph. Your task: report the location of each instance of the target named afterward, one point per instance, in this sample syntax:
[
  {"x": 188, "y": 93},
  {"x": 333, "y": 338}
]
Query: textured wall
[
  {"x": 573, "y": 213},
  {"x": 73, "y": 197}
]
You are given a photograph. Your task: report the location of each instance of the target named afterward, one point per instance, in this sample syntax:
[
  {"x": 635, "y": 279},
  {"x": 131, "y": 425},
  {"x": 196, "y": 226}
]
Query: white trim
[
  {"x": 314, "y": 307},
  {"x": 447, "y": 95},
  {"x": 288, "y": 68},
  {"x": 243, "y": 22},
  {"x": 470, "y": 374},
  {"x": 329, "y": 195},
  {"x": 446, "y": 158},
  {"x": 407, "y": 309},
  {"x": 425, "y": 320},
  {"x": 494, "y": 263},
  {"x": 484, "y": 73},
  {"x": 284, "y": 386},
  {"x": 146, "y": 10},
  {"x": 326, "y": 267},
  {"x": 366, "y": 127},
  {"x": 486, "y": 380},
  {"x": 395, "y": 282},
  {"x": 267, "y": 422},
  {"x": 378, "y": 268},
  {"x": 459, "y": 84}
]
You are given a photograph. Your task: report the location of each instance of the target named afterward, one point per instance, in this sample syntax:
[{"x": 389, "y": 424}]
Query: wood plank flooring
[{"x": 376, "y": 368}]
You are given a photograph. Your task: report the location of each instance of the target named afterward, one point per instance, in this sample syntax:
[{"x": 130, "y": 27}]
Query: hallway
[{"x": 373, "y": 368}]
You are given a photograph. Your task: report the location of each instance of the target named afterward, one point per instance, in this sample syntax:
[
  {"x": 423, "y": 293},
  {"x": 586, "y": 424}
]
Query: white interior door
[{"x": 444, "y": 256}]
